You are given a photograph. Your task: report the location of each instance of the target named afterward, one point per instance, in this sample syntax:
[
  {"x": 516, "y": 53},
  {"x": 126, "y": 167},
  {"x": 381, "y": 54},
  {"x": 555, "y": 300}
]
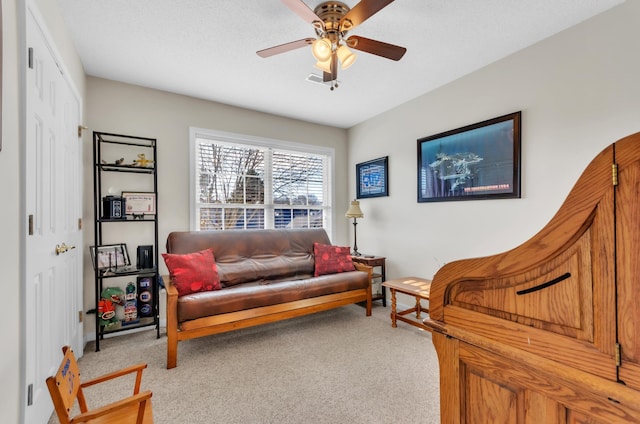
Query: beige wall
[
  {"x": 127, "y": 109},
  {"x": 578, "y": 92}
]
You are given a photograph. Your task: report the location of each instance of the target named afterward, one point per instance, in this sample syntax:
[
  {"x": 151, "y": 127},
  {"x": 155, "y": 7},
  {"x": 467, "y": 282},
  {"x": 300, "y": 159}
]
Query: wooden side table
[
  {"x": 379, "y": 276},
  {"x": 420, "y": 288}
]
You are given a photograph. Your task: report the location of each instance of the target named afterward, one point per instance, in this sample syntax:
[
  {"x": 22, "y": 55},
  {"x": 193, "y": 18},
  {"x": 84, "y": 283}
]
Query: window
[{"x": 242, "y": 182}]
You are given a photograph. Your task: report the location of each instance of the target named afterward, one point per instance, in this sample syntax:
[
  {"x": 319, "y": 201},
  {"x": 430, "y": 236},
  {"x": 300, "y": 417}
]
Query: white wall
[
  {"x": 578, "y": 91},
  {"x": 126, "y": 109}
]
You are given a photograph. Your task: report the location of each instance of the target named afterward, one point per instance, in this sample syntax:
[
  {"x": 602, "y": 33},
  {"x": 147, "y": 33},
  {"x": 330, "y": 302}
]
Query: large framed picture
[
  {"x": 109, "y": 257},
  {"x": 479, "y": 161},
  {"x": 139, "y": 203},
  {"x": 372, "y": 178}
]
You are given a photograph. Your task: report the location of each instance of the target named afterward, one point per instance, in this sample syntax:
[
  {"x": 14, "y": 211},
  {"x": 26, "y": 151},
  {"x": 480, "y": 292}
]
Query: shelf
[
  {"x": 145, "y": 280},
  {"x": 138, "y": 272},
  {"x": 107, "y": 167},
  {"x": 118, "y": 220},
  {"x": 142, "y": 322},
  {"x": 125, "y": 140}
]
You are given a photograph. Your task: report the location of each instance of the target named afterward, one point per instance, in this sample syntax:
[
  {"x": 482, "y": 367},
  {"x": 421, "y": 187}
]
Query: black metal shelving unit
[{"x": 104, "y": 170}]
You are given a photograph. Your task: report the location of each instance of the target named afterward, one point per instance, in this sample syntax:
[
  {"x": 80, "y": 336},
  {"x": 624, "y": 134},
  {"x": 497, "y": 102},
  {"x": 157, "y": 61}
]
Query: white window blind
[{"x": 254, "y": 183}]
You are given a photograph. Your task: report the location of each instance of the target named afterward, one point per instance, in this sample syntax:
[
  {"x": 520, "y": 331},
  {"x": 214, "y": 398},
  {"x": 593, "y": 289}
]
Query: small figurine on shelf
[
  {"x": 113, "y": 294},
  {"x": 110, "y": 306},
  {"x": 142, "y": 161},
  {"x": 107, "y": 315},
  {"x": 120, "y": 161}
]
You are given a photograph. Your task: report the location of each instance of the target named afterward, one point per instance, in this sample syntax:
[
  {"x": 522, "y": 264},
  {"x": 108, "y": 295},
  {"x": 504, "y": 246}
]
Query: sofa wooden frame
[{"x": 215, "y": 324}]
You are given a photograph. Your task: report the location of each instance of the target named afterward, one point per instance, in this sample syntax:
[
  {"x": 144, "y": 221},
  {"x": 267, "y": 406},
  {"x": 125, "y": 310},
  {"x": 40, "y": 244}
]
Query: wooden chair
[{"x": 65, "y": 387}]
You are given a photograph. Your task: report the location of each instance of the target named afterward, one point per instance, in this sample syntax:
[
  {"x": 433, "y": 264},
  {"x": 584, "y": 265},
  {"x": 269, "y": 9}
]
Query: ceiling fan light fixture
[
  {"x": 346, "y": 56},
  {"x": 324, "y": 65},
  {"x": 321, "y": 49}
]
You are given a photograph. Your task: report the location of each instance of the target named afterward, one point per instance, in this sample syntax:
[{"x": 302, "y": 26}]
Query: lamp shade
[
  {"x": 321, "y": 49},
  {"x": 324, "y": 66},
  {"x": 346, "y": 56},
  {"x": 354, "y": 210}
]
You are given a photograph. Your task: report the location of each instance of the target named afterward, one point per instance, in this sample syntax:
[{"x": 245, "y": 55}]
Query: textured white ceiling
[{"x": 206, "y": 49}]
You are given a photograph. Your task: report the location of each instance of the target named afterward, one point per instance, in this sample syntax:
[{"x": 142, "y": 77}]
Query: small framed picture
[
  {"x": 139, "y": 203},
  {"x": 372, "y": 178},
  {"x": 109, "y": 257}
]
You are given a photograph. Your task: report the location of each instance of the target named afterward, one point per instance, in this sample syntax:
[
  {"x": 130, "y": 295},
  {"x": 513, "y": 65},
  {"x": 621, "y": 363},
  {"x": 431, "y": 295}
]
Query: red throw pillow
[
  {"x": 331, "y": 259},
  {"x": 193, "y": 272}
]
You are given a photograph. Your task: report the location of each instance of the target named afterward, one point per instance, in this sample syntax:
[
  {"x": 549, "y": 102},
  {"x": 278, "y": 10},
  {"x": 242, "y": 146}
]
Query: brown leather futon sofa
[{"x": 265, "y": 276}]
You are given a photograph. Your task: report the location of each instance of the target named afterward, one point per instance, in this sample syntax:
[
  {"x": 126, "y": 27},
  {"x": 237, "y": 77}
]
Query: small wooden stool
[{"x": 412, "y": 286}]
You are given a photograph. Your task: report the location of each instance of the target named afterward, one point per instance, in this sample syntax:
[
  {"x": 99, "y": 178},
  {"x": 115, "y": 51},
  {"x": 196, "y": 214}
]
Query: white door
[{"x": 53, "y": 171}]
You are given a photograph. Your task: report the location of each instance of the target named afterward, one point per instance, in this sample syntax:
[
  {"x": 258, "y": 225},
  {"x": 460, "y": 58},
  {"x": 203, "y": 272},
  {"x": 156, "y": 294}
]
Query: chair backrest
[{"x": 65, "y": 385}]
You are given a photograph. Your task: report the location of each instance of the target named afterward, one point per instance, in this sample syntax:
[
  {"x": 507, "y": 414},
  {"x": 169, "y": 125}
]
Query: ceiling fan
[{"x": 332, "y": 20}]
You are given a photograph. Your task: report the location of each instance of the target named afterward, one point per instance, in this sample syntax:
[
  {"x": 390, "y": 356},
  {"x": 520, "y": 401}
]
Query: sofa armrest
[
  {"x": 171, "y": 289},
  {"x": 365, "y": 268}
]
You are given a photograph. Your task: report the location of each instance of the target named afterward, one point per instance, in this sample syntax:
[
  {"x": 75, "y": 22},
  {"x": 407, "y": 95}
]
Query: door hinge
[
  {"x": 614, "y": 173},
  {"x": 30, "y": 57},
  {"x": 618, "y": 355},
  {"x": 79, "y": 223},
  {"x": 30, "y": 394},
  {"x": 80, "y": 317},
  {"x": 30, "y": 225}
]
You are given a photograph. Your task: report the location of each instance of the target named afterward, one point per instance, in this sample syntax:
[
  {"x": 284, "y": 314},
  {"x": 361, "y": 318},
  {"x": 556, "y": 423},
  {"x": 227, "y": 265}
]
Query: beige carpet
[{"x": 333, "y": 367}]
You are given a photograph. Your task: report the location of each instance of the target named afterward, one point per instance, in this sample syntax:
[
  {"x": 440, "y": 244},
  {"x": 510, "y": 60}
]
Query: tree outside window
[{"x": 247, "y": 186}]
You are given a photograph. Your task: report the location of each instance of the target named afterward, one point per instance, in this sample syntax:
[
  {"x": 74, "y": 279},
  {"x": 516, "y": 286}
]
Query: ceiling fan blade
[
  {"x": 361, "y": 12},
  {"x": 271, "y": 51},
  {"x": 302, "y": 10},
  {"x": 378, "y": 48}
]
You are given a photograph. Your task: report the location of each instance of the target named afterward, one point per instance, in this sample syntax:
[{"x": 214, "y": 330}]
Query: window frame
[{"x": 267, "y": 143}]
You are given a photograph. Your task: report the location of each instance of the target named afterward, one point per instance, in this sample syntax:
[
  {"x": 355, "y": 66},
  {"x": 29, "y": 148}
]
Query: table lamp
[{"x": 355, "y": 212}]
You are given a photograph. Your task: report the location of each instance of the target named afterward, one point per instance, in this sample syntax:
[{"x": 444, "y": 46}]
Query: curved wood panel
[
  {"x": 550, "y": 329},
  {"x": 569, "y": 223}
]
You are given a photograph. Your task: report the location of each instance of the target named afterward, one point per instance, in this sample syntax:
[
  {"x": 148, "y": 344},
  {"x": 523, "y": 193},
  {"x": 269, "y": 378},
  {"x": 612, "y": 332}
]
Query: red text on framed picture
[
  {"x": 373, "y": 178},
  {"x": 140, "y": 203}
]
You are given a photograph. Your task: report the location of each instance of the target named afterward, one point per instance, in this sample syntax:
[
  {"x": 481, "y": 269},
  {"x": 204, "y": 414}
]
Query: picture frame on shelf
[
  {"x": 372, "y": 178},
  {"x": 478, "y": 161},
  {"x": 109, "y": 257},
  {"x": 139, "y": 204}
]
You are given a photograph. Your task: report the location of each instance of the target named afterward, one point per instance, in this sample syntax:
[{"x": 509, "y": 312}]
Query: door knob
[{"x": 62, "y": 248}]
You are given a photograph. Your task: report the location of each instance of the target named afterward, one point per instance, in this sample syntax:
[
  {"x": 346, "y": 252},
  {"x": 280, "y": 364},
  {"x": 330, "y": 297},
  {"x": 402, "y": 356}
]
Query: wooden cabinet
[
  {"x": 125, "y": 251},
  {"x": 379, "y": 275},
  {"x": 550, "y": 330}
]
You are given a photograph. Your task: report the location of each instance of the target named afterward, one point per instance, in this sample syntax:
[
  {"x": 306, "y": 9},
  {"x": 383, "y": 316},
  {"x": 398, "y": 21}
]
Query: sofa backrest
[{"x": 253, "y": 255}]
